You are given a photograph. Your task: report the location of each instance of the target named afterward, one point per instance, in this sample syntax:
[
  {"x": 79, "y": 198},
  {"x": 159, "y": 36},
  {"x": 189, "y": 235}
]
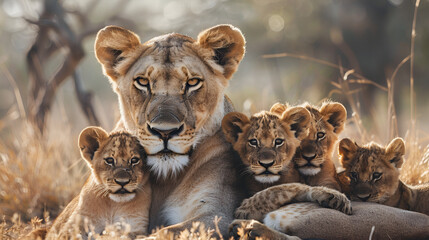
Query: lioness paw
[{"x": 332, "y": 199}]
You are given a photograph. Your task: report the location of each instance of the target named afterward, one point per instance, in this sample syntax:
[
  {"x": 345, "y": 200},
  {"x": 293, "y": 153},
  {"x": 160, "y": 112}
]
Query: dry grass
[{"x": 40, "y": 175}]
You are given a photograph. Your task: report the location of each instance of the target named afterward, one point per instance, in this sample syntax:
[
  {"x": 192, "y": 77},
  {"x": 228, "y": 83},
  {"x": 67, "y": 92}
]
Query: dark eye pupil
[
  {"x": 253, "y": 142},
  {"x": 109, "y": 160},
  {"x": 320, "y": 134},
  {"x": 279, "y": 141}
]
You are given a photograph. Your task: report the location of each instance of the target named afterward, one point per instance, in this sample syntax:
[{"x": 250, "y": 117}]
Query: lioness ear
[
  {"x": 347, "y": 150},
  {"x": 298, "y": 120},
  {"x": 335, "y": 114},
  {"x": 232, "y": 124},
  {"x": 114, "y": 48},
  {"x": 278, "y": 108},
  {"x": 395, "y": 152},
  {"x": 227, "y": 43},
  {"x": 89, "y": 141}
]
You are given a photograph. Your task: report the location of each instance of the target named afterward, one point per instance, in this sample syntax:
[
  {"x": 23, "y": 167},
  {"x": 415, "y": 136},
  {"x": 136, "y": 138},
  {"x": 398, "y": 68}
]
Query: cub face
[
  {"x": 170, "y": 88},
  {"x": 266, "y": 142},
  {"x": 373, "y": 170},
  {"x": 326, "y": 123},
  {"x": 116, "y": 162}
]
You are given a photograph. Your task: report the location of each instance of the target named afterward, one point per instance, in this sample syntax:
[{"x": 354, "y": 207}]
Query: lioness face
[
  {"x": 266, "y": 142},
  {"x": 170, "y": 88},
  {"x": 325, "y": 125},
  {"x": 373, "y": 170},
  {"x": 116, "y": 162}
]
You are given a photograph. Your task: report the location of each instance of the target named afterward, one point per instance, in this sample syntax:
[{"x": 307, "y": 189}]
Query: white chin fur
[
  {"x": 122, "y": 197},
  {"x": 163, "y": 165},
  {"x": 267, "y": 178},
  {"x": 310, "y": 171}
]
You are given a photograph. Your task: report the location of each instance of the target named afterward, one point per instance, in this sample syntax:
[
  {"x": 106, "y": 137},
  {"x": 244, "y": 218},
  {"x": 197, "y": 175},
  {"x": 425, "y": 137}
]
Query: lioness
[
  {"x": 374, "y": 175},
  {"x": 171, "y": 96},
  {"x": 118, "y": 189}
]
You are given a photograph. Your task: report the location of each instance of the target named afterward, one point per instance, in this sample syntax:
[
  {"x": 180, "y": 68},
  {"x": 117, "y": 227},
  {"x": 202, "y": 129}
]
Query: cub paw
[
  {"x": 330, "y": 198},
  {"x": 252, "y": 229},
  {"x": 247, "y": 211}
]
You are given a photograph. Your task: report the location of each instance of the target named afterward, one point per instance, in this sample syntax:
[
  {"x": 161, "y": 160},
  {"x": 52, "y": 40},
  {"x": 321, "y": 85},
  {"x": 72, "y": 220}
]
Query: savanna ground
[{"x": 40, "y": 172}]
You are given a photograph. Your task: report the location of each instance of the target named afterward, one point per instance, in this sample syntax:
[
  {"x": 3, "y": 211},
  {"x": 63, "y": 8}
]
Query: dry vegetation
[{"x": 39, "y": 175}]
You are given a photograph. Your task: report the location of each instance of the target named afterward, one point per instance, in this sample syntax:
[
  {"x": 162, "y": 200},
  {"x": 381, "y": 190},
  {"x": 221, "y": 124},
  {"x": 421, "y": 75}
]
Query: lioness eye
[
  {"x": 135, "y": 160},
  {"x": 141, "y": 83},
  {"x": 376, "y": 175},
  {"x": 278, "y": 142},
  {"x": 354, "y": 175},
  {"x": 193, "y": 84},
  {"x": 253, "y": 142},
  {"x": 321, "y": 136},
  {"x": 109, "y": 161}
]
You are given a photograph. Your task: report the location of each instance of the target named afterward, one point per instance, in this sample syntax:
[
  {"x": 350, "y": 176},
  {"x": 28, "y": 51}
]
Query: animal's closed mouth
[
  {"x": 122, "y": 191},
  {"x": 266, "y": 172}
]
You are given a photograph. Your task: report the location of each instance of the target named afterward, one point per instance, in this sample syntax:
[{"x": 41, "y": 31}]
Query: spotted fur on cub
[{"x": 374, "y": 171}]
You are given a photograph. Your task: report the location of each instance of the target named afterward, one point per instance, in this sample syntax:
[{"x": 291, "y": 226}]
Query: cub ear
[
  {"x": 298, "y": 121},
  {"x": 113, "y": 47},
  {"x": 228, "y": 45},
  {"x": 347, "y": 150},
  {"x": 335, "y": 114},
  {"x": 278, "y": 108},
  {"x": 232, "y": 124},
  {"x": 396, "y": 151},
  {"x": 89, "y": 141}
]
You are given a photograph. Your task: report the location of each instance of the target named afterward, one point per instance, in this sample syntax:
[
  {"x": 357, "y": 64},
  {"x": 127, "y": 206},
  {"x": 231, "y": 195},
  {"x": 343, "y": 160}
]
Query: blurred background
[{"x": 51, "y": 85}]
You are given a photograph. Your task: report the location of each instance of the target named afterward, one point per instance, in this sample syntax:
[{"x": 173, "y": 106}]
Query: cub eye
[
  {"x": 135, "y": 160},
  {"x": 141, "y": 83},
  {"x": 321, "y": 135},
  {"x": 193, "y": 84},
  {"x": 354, "y": 176},
  {"x": 109, "y": 161},
  {"x": 376, "y": 176},
  {"x": 278, "y": 142},
  {"x": 253, "y": 142}
]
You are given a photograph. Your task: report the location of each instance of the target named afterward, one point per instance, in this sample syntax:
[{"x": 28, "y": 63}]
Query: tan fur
[
  {"x": 272, "y": 198},
  {"x": 373, "y": 171},
  {"x": 171, "y": 96},
  {"x": 275, "y": 139},
  {"x": 308, "y": 220},
  {"x": 312, "y": 163},
  {"x": 97, "y": 204}
]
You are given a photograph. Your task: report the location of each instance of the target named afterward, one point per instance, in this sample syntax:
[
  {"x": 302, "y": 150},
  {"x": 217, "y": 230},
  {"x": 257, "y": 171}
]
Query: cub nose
[
  {"x": 308, "y": 156},
  {"x": 266, "y": 163},
  {"x": 122, "y": 181},
  {"x": 364, "y": 197}
]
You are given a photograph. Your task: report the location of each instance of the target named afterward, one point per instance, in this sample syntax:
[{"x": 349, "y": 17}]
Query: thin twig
[
  {"x": 15, "y": 90},
  {"x": 412, "y": 93}
]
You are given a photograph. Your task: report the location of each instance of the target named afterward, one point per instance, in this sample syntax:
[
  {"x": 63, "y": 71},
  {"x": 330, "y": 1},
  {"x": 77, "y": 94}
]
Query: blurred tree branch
[{"x": 56, "y": 33}]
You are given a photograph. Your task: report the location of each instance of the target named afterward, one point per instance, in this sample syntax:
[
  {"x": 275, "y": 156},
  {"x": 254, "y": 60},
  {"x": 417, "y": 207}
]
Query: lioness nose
[
  {"x": 166, "y": 132},
  {"x": 122, "y": 181},
  {"x": 266, "y": 164}
]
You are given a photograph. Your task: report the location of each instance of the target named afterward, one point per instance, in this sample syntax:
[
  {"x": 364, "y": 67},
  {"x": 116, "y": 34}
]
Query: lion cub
[
  {"x": 118, "y": 189},
  {"x": 266, "y": 143},
  {"x": 313, "y": 158},
  {"x": 374, "y": 175}
]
